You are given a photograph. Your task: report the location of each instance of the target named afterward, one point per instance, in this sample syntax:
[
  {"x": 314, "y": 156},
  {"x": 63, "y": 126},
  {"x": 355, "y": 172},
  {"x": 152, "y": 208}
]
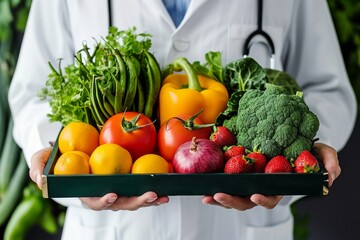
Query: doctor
[{"x": 306, "y": 47}]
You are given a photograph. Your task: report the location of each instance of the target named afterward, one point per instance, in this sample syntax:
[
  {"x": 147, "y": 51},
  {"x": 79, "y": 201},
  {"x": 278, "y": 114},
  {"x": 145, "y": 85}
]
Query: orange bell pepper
[{"x": 190, "y": 93}]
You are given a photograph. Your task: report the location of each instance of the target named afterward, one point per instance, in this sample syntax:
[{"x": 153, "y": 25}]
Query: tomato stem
[
  {"x": 131, "y": 125},
  {"x": 189, "y": 124}
]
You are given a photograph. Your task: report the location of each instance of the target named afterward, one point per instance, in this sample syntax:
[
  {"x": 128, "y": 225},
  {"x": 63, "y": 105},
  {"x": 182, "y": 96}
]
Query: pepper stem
[{"x": 183, "y": 64}]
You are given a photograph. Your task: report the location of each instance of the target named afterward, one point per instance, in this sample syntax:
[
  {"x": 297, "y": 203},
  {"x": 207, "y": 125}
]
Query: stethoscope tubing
[{"x": 260, "y": 32}]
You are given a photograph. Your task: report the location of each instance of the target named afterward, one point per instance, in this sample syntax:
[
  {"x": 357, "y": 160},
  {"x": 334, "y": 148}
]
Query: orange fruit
[
  {"x": 72, "y": 162},
  {"x": 150, "y": 163},
  {"x": 110, "y": 158},
  {"x": 78, "y": 136}
]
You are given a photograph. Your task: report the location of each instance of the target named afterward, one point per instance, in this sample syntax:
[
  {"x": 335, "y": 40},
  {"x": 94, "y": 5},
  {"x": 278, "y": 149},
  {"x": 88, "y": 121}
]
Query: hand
[
  {"x": 109, "y": 201},
  {"x": 38, "y": 163},
  {"x": 113, "y": 202},
  {"x": 242, "y": 203},
  {"x": 329, "y": 157},
  {"x": 324, "y": 153}
]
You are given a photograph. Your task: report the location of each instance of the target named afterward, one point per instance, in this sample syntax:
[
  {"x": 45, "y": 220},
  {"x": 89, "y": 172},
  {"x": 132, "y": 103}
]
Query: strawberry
[
  {"x": 238, "y": 164},
  {"x": 222, "y": 136},
  {"x": 278, "y": 164},
  {"x": 260, "y": 161},
  {"x": 233, "y": 151},
  {"x": 306, "y": 163}
]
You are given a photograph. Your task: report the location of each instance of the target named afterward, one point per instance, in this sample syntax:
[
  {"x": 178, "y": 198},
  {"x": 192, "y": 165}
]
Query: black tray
[{"x": 91, "y": 185}]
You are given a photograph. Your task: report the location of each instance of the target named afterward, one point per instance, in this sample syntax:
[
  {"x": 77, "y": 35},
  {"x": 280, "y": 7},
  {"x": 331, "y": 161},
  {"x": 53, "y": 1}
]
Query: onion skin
[{"x": 198, "y": 156}]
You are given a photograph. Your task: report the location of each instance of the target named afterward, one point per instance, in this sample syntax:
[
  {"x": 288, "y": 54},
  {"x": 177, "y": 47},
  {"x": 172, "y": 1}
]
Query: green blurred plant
[
  {"x": 14, "y": 178},
  {"x": 346, "y": 17}
]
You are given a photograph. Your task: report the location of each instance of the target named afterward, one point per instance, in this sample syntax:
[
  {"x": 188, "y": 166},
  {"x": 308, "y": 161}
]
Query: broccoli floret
[
  {"x": 231, "y": 124},
  {"x": 297, "y": 146},
  {"x": 275, "y": 122}
]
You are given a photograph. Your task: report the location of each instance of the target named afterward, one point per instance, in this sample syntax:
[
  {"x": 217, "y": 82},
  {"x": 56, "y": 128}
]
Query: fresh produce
[
  {"x": 278, "y": 164},
  {"x": 222, "y": 136},
  {"x": 259, "y": 161},
  {"x": 78, "y": 136},
  {"x": 198, "y": 156},
  {"x": 189, "y": 93},
  {"x": 150, "y": 164},
  {"x": 212, "y": 68},
  {"x": 131, "y": 130},
  {"x": 245, "y": 74},
  {"x": 110, "y": 158},
  {"x": 120, "y": 74},
  {"x": 306, "y": 163},
  {"x": 275, "y": 123},
  {"x": 233, "y": 150},
  {"x": 239, "y": 164},
  {"x": 72, "y": 162},
  {"x": 179, "y": 130}
]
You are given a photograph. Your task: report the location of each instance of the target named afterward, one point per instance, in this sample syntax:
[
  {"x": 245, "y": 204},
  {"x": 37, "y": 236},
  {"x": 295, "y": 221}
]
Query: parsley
[{"x": 69, "y": 89}]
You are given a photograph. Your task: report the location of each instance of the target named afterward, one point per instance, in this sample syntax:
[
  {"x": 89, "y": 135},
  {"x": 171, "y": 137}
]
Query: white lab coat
[{"x": 306, "y": 47}]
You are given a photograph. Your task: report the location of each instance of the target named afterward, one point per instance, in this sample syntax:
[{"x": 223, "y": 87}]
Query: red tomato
[
  {"x": 173, "y": 133},
  {"x": 139, "y": 140}
]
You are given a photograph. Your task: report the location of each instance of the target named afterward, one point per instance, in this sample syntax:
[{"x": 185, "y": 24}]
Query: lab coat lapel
[
  {"x": 193, "y": 7},
  {"x": 159, "y": 7}
]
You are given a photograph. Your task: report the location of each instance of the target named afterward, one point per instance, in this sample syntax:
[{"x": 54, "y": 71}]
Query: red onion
[{"x": 198, "y": 156}]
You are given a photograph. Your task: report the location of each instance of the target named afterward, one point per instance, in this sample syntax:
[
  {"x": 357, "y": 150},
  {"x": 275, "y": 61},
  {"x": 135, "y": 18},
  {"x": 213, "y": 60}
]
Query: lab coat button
[{"x": 181, "y": 45}]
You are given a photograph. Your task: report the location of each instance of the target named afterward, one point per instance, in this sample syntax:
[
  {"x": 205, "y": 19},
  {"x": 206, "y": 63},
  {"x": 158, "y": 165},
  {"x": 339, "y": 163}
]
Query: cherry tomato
[
  {"x": 131, "y": 130},
  {"x": 173, "y": 133}
]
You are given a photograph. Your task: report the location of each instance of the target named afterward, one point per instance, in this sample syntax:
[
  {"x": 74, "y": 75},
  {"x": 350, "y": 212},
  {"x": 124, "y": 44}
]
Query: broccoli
[
  {"x": 231, "y": 124},
  {"x": 275, "y": 122}
]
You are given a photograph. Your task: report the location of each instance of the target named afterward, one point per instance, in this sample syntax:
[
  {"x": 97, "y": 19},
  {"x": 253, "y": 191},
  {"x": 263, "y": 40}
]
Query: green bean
[
  {"x": 100, "y": 98},
  {"x": 153, "y": 76},
  {"x": 132, "y": 78},
  {"x": 123, "y": 75},
  {"x": 140, "y": 98},
  {"x": 154, "y": 65},
  {"x": 99, "y": 117},
  {"x": 120, "y": 84},
  {"x": 109, "y": 108},
  {"x": 149, "y": 101}
]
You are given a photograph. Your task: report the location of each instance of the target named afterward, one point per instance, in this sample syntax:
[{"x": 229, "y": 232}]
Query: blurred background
[{"x": 331, "y": 217}]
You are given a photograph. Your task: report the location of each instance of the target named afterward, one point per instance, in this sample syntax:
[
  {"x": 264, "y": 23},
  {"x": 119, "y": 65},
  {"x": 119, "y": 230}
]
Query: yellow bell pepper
[{"x": 190, "y": 93}]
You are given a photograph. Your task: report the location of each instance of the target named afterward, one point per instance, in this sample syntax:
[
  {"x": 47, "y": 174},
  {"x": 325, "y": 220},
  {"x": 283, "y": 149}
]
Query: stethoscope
[
  {"x": 260, "y": 32},
  {"x": 248, "y": 41}
]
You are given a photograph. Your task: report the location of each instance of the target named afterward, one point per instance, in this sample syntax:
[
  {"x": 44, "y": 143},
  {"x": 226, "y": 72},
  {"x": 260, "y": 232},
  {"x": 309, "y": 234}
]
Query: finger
[
  {"x": 38, "y": 162},
  {"x": 329, "y": 157},
  {"x": 210, "y": 200},
  {"x": 268, "y": 202},
  {"x": 100, "y": 203},
  {"x": 133, "y": 203},
  {"x": 228, "y": 201}
]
